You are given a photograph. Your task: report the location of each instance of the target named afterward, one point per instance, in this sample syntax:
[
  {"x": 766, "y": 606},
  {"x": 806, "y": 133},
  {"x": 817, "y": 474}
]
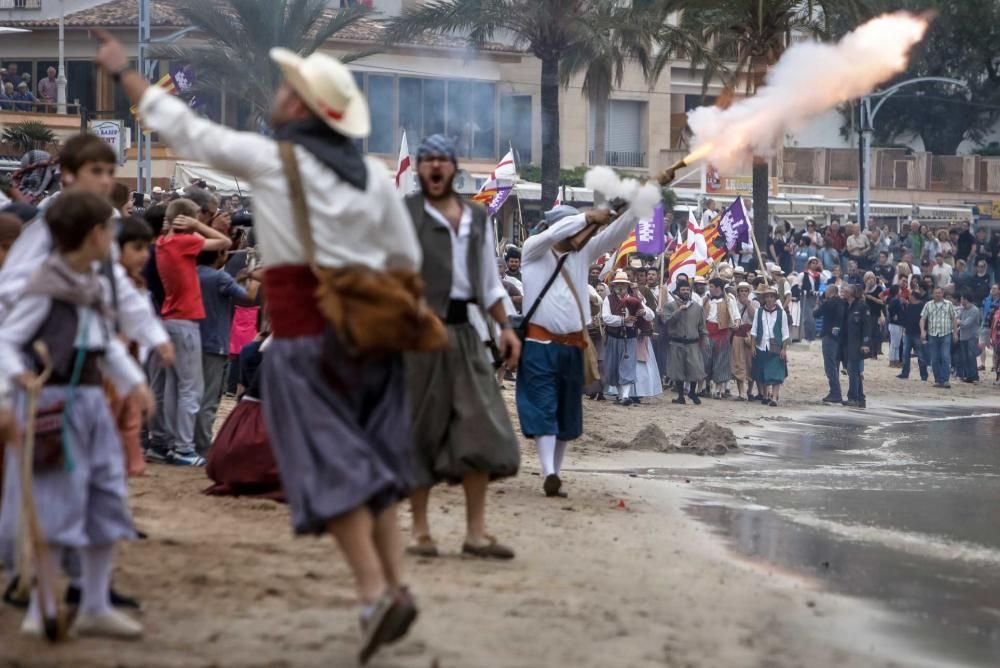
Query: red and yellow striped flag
[{"x": 627, "y": 248}]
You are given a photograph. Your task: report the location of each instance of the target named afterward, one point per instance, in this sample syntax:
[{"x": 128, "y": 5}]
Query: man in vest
[
  {"x": 621, "y": 313},
  {"x": 722, "y": 318},
  {"x": 461, "y": 430}
]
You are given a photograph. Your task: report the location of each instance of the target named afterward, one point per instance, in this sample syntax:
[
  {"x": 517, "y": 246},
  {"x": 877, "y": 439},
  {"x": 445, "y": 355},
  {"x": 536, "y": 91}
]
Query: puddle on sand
[{"x": 905, "y": 512}]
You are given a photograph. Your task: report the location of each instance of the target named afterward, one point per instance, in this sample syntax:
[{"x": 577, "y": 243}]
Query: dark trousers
[
  {"x": 831, "y": 364},
  {"x": 913, "y": 344},
  {"x": 967, "y": 364},
  {"x": 853, "y": 362}
]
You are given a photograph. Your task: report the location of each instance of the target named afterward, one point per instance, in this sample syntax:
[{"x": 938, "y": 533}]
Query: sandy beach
[{"x": 615, "y": 575}]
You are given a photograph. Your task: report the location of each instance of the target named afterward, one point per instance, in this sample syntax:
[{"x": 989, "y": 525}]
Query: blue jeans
[
  {"x": 854, "y": 364},
  {"x": 968, "y": 351},
  {"x": 914, "y": 344},
  {"x": 831, "y": 365},
  {"x": 939, "y": 351},
  {"x": 184, "y": 385}
]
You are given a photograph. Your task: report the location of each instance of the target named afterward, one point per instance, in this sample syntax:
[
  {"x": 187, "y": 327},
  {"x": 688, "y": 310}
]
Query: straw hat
[
  {"x": 743, "y": 285},
  {"x": 764, "y": 289},
  {"x": 621, "y": 277},
  {"x": 635, "y": 264},
  {"x": 700, "y": 280},
  {"x": 328, "y": 88}
]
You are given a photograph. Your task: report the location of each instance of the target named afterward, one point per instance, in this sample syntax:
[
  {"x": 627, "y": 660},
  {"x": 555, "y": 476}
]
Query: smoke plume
[
  {"x": 810, "y": 78},
  {"x": 642, "y": 198}
]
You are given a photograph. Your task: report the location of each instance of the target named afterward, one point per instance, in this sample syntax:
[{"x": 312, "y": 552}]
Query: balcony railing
[
  {"x": 20, "y": 4},
  {"x": 627, "y": 159}
]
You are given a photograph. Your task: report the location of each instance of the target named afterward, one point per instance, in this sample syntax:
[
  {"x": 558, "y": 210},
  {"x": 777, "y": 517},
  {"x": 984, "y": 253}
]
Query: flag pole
[{"x": 760, "y": 259}]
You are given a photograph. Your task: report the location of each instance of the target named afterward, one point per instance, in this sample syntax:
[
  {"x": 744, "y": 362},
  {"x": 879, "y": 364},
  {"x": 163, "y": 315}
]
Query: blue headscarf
[{"x": 437, "y": 145}]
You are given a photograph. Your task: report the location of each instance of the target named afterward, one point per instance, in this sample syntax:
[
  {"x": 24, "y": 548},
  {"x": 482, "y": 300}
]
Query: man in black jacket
[
  {"x": 831, "y": 310},
  {"x": 911, "y": 337},
  {"x": 856, "y": 337}
]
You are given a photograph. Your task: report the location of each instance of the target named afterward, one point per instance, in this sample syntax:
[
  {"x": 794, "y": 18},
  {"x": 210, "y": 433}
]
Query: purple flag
[
  {"x": 735, "y": 226},
  {"x": 498, "y": 200},
  {"x": 649, "y": 238}
]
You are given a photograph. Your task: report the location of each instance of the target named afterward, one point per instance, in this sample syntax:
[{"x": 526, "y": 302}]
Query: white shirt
[
  {"x": 349, "y": 227},
  {"x": 617, "y": 320},
  {"x": 558, "y": 312},
  {"x": 27, "y": 316},
  {"x": 712, "y": 310},
  {"x": 768, "y": 319},
  {"x": 135, "y": 313},
  {"x": 461, "y": 286},
  {"x": 707, "y": 217},
  {"x": 942, "y": 275}
]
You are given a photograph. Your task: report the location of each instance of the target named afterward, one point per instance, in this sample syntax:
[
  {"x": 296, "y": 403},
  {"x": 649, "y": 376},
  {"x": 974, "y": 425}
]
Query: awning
[{"x": 186, "y": 173}]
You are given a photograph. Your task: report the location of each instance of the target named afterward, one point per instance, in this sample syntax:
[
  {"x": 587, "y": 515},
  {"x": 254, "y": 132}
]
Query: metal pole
[
  {"x": 61, "y": 77},
  {"x": 864, "y": 203},
  {"x": 144, "y": 164}
]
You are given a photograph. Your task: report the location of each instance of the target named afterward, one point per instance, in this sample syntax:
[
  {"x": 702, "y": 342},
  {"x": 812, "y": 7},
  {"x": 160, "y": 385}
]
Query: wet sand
[{"x": 616, "y": 575}]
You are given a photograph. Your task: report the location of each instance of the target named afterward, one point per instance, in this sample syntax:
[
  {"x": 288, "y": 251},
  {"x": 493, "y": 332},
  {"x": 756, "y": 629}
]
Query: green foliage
[
  {"x": 992, "y": 149},
  {"x": 28, "y": 136},
  {"x": 238, "y": 35}
]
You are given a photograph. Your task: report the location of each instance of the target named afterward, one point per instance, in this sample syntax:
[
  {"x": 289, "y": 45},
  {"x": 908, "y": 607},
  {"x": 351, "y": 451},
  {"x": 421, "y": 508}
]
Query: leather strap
[
  {"x": 297, "y": 197},
  {"x": 572, "y": 288}
]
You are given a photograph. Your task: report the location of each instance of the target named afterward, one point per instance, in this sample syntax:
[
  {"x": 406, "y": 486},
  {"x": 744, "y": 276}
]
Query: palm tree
[
  {"x": 551, "y": 30},
  {"x": 28, "y": 136},
  {"x": 237, "y": 36},
  {"x": 616, "y": 36},
  {"x": 747, "y": 37}
]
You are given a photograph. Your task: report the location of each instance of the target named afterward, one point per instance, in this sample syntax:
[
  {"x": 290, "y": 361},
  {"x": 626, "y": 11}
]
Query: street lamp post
[
  {"x": 867, "y": 129},
  {"x": 61, "y": 78}
]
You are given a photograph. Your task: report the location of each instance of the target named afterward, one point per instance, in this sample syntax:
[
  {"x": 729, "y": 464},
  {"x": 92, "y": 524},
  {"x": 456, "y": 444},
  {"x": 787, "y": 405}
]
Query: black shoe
[
  {"x": 636, "y": 401},
  {"x": 902, "y": 377},
  {"x": 679, "y": 400},
  {"x": 553, "y": 486},
  {"x": 694, "y": 399},
  {"x": 591, "y": 396},
  {"x": 601, "y": 397},
  {"x": 8, "y": 594},
  {"x": 118, "y": 600},
  {"x": 623, "y": 402},
  {"x": 705, "y": 394},
  {"x": 832, "y": 400}
]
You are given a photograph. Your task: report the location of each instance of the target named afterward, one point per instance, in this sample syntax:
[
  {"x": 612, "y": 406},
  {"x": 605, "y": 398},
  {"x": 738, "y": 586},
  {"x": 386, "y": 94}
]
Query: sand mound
[
  {"x": 709, "y": 438},
  {"x": 650, "y": 437}
]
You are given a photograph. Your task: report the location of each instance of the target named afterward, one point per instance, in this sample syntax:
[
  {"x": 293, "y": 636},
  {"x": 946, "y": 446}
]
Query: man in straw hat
[
  {"x": 461, "y": 428},
  {"x": 550, "y": 377},
  {"x": 742, "y": 346},
  {"x": 345, "y": 448},
  {"x": 770, "y": 334},
  {"x": 621, "y": 313},
  {"x": 685, "y": 321}
]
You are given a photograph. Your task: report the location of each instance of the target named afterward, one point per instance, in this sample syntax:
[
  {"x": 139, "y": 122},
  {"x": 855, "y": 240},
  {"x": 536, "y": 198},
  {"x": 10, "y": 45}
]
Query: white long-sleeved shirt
[
  {"x": 27, "y": 317},
  {"x": 461, "y": 285},
  {"x": 558, "y": 312},
  {"x": 618, "y": 320},
  {"x": 135, "y": 313},
  {"x": 349, "y": 227},
  {"x": 712, "y": 310},
  {"x": 767, "y": 321}
]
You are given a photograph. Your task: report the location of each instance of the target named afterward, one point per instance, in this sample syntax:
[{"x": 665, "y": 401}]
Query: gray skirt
[
  {"x": 685, "y": 362},
  {"x": 338, "y": 446},
  {"x": 720, "y": 369},
  {"x": 87, "y": 506},
  {"x": 460, "y": 421},
  {"x": 619, "y": 361}
]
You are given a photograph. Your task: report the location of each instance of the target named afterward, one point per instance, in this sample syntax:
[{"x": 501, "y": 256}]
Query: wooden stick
[{"x": 37, "y": 548}]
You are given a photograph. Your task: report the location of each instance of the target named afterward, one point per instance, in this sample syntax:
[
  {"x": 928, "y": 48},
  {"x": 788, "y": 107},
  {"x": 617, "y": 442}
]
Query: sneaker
[
  {"x": 112, "y": 624},
  {"x": 186, "y": 459},
  {"x": 155, "y": 456}
]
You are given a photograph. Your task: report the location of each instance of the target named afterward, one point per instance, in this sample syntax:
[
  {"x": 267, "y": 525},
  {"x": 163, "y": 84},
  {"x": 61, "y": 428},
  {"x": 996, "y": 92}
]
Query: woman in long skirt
[{"x": 770, "y": 334}]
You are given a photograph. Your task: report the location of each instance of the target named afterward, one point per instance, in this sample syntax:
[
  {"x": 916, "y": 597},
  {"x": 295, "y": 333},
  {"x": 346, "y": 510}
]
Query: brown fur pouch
[{"x": 48, "y": 455}]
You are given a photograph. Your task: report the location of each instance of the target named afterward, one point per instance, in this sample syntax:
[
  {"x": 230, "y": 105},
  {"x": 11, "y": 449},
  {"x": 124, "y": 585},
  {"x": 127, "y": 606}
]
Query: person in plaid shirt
[{"x": 938, "y": 322}]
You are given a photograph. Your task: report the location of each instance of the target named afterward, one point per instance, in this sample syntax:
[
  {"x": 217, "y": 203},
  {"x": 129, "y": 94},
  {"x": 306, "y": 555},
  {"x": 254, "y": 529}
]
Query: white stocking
[
  {"x": 95, "y": 562},
  {"x": 623, "y": 391},
  {"x": 560, "y": 453},
  {"x": 547, "y": 453}
]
